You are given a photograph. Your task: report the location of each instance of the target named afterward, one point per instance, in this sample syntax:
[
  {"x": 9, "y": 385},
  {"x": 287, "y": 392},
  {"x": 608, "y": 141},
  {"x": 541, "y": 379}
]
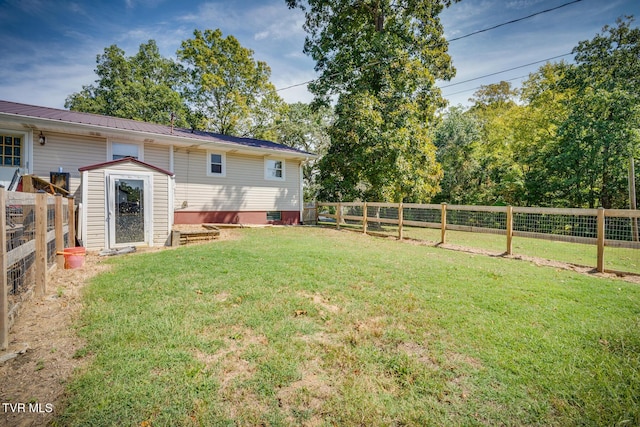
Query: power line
[
  {"x": 478, "y": 87},
  {"x": 514, "y": 21},
  {"x": 462, "y": 37},
  {"x": 504, "y": 71}
]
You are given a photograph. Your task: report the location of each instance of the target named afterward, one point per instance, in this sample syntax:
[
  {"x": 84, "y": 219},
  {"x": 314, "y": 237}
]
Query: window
[
  {"x": 120, "y": 150},
  {"x": 216, "y": 164},
  {"x": 10, "y": 150},
  {"x": 274, "y": 169},
  {"x": 274, "y": 216}
]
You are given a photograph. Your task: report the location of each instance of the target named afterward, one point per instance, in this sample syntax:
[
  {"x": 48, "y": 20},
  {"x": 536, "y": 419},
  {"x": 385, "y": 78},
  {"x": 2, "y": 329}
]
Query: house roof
[
  {"x": 124, "y": 160},
  {"x": 17, "y": 110}
]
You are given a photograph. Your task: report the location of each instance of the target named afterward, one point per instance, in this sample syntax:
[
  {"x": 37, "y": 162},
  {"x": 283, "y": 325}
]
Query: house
[{"x": 134, "y": 180}]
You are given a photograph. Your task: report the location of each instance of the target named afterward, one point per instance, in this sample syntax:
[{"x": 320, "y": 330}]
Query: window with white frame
[
  {"x": 216, "y": 164},
  {"x": 120, "y": 150},
  {"x": 10, "y": 150},
  {"x": 274, "y": 169}
]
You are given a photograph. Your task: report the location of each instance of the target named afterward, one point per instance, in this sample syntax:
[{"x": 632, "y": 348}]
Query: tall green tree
[
  {"x": 229, "y": 92},
  {"x": 306, "y": 128},
  {"x": 499, "y": 179},
  {"x": 600, "y": 133},
  {"x": 379, "y": 59},
  {"x": 457, "y": 138},
  {"x": 141, "y": 87},
  {"x": 536, "y": 144}
]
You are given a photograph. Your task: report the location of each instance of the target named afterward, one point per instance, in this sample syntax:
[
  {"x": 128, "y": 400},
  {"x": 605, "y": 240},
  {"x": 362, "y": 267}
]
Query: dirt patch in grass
[
  {"x": 44, "y": 329},
  {"x": 542, "y": 262},
  {"x": 47, "y": 345}
]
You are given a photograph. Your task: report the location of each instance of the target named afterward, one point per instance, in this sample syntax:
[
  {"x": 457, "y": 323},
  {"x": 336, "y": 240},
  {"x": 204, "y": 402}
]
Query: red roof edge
[{"x": 124, "y": 160}]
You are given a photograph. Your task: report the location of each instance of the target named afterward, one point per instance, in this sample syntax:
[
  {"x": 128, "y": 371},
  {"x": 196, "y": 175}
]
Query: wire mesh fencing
[
  {"x": 34, "y": 227},
  {"x": 575, "y": 236}
]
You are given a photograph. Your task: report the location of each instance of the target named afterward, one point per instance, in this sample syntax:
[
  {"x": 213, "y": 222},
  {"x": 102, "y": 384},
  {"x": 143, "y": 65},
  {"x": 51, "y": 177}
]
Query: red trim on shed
[{"x": 124, "y": 160}]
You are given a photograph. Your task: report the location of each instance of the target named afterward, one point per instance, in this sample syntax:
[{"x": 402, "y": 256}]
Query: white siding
[
  {"x": 95, "y": 206},
  {"x": 69, "y": 152},
  {"x": 157, "y": 155},
  {"x": 244, "y": 188},
  {"x": 96, "y": 215}
]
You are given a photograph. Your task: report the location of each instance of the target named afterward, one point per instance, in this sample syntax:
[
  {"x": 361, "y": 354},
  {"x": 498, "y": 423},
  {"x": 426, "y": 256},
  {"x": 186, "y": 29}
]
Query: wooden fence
[
  {"x": 602, "y": 228},
  {"x": 34, "y": 229}
]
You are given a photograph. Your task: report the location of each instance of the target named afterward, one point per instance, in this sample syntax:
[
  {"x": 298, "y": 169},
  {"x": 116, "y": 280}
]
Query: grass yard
[
  {"x": 309, "y": 326},
  {"x": 617, "y": 259}
]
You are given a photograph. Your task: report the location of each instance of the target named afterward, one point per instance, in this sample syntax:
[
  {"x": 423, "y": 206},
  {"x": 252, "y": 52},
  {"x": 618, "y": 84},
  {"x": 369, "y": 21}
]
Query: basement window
[{"x": 274, "y": 216}]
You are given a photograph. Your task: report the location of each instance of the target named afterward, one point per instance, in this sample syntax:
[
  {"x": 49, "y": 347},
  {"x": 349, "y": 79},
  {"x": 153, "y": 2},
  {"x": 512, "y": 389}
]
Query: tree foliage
[
  {"x": 228, "y": 91},
  {"x": 380, "y": 59},
  {"x": 141, "y": 87},
  {"x": 457, "y": 138},
  {"x": 304, "y": 127},
  {"x": 601, "y": 130},
  {"x": 564, "y": 139}
]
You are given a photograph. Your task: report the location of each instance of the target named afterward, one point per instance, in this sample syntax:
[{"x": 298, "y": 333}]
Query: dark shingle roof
[{"x": 66, "y": 116}]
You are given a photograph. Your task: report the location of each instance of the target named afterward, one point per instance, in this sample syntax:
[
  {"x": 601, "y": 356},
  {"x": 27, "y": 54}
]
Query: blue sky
[{"x": 49, "y": 47}]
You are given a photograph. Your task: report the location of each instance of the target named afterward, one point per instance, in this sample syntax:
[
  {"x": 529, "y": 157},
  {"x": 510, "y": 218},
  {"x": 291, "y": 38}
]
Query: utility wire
[
  {"x": 514, "y": 21},
  {"x": 462, "y": 37},
  {"x": 504, "y": 71},
  {"x": 478, "y": 87}
]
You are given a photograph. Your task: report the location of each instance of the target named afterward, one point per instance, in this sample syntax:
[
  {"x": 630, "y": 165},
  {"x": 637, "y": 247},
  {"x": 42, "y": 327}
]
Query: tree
[
  {"x": 306, "y": 128},
  {"x": 600, "y": 133},
  {"x": 536, "y": 145},
  {"x": 380, "y": 59},
  {"x": 142, "y": 87},
  {"x": 457, "y": 138},
  {"x": 498, "y": 178},
  {"x": 229, "y": 92}
]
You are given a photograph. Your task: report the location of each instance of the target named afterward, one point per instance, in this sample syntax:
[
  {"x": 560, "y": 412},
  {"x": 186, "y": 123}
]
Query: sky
[{"x": 49, "y": 47}]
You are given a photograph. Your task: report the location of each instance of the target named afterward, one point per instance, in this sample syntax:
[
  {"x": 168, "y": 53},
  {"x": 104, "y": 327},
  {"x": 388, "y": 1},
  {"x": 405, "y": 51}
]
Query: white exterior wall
[
  {"x": 95, "y": 215},
  {"x": 157, "y": 155},
  {"x": 243, "y": 188},
  {"x": 96, "y": 237},
  {"x": 69, "y": 152}
]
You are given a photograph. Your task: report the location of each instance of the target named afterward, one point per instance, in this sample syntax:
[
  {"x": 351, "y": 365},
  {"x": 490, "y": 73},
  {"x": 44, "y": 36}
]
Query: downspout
[{"x": 83, "y": 206}]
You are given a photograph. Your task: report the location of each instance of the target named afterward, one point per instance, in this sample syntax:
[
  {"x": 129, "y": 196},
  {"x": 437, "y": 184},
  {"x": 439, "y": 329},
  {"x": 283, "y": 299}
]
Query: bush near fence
[
  {"x": 34, "y": 230},
  {"x": 613, "y": 229}
]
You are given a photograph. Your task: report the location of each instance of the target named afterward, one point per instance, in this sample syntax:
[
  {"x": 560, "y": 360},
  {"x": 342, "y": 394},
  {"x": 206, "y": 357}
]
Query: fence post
[
  {"x": 338, "y": 215},
  {"x": 59, "y": 224},
  {"x": 41, "y": 244},
  {"x": 4, "y": 297},
  {"x": 364, "y": 217},
  {"x": 400, "y": 219},
  {"x": 317, "y": 214},
  {"x": 443, "y": 224},
  {"x": 509, "y": 229},
  {"x": 600, "y": 240},
  {"x": 72, "y": 221}
]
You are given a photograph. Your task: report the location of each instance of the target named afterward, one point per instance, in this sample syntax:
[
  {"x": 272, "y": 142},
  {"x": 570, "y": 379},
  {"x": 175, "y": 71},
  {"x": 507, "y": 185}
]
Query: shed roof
[
  {"x": 124, "y": 160},
  {"x": 9, "y": 108}
]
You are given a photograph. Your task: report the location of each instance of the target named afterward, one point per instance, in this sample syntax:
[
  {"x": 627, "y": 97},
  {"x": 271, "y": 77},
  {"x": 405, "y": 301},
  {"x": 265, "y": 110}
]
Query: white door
[{"x": 129, "y": 202}]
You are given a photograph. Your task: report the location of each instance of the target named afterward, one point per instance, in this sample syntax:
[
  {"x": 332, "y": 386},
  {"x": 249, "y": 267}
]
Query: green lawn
[
  {"x": 310, "y": 326},
  {"x": 617, "y": 259}
]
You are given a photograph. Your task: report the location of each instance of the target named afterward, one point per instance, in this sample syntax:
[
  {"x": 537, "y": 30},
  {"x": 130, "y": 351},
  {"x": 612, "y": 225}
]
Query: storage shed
[{"x": 126, "y": 202}]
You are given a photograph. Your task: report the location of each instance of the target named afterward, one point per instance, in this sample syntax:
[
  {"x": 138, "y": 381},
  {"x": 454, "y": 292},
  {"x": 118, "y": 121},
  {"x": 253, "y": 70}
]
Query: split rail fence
[
  {"x": 503, "y": 228},
  {"x": 34, "y": 230}
]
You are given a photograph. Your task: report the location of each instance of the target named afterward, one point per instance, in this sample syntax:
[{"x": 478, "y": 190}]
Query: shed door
[{"x": 129, "y": 200}]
